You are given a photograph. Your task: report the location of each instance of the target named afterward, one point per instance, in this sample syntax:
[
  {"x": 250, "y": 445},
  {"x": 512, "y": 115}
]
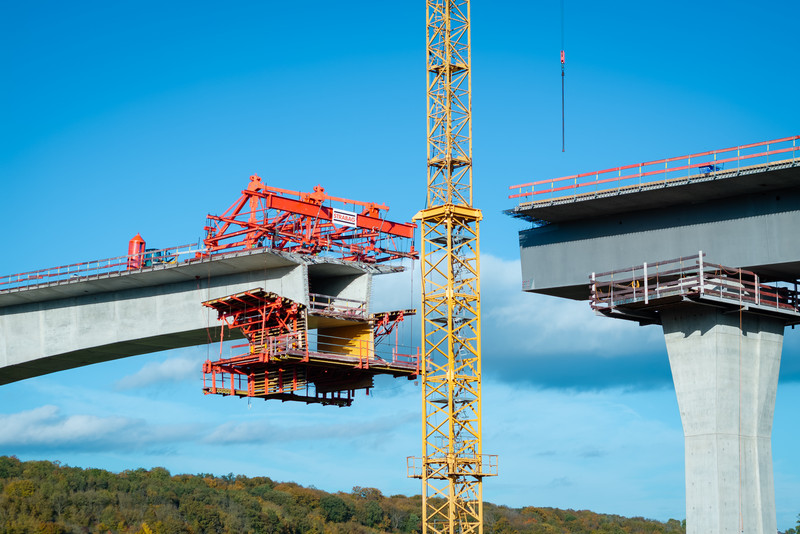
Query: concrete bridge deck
[
  {"x": 84, "y": 320},
  {"x": 745, "y": 218}
]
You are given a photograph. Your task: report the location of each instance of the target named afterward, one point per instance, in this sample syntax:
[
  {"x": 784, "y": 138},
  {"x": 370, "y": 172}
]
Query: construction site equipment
[
  {"x": 136, "y": 248},
  {"x": 291, "y": 356},
  {"x": 452, "y": 466},
  {"x": 638, "y": 292},
  {"x": 312, "y": 223},
  {"x": 563, "y": 100},
  {"x": 262, "y": 217}
]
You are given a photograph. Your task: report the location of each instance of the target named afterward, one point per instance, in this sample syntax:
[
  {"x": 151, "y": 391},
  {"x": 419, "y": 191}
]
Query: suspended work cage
[{"x": 285, "y": 359}]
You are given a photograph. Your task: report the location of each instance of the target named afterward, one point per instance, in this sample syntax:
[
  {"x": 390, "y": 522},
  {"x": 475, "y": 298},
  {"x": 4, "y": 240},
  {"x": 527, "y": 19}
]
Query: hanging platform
[{"x": 286, "y": 360}]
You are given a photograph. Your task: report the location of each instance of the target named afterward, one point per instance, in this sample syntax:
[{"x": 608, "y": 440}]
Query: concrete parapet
[{"x": 725, "y": 369}]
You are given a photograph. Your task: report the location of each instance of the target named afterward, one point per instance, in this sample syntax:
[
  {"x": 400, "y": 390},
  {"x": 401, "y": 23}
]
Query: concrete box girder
[
  {"x": 748, "y": 221},
  {"x": 79, "y": 322}
]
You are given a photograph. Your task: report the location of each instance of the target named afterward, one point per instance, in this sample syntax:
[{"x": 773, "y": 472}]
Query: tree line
[{"x": 50, "y": 498}]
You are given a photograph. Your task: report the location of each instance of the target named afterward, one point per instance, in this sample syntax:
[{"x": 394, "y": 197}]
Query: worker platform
[
  {"x": 641, "y": 292},
  {"x": 320, "y": 353}
]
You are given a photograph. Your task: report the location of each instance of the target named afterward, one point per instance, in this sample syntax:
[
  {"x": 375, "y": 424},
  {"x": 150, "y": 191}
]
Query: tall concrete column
[{"x": 725, "y": 368}]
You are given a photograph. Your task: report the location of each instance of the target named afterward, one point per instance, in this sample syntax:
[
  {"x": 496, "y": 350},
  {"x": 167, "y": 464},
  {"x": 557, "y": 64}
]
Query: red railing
[
  {"x": 97, "y": 268},
  {"x": 690, "y": 276},
  {"x": 701, "y": 165},
  {"x": 336, "y": 306},
  {"x": 355, "y": 351}
]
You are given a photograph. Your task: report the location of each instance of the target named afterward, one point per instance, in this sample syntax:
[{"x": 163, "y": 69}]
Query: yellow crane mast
[{"x": 452, "y": 466}]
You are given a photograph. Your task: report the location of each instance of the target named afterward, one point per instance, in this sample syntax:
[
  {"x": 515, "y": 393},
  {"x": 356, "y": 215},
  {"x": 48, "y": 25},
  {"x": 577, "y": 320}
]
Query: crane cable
[{"x": 563, "y": 144}]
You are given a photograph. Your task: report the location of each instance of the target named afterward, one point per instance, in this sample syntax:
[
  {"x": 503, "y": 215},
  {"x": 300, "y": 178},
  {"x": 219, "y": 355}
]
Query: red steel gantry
[{"x": 308, "y": 223}]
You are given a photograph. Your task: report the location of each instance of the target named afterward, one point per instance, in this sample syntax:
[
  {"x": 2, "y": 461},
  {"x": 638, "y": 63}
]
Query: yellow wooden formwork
[{"x": 352, "y": 340}]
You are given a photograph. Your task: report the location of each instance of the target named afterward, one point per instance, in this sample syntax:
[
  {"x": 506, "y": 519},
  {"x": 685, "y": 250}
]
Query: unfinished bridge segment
[
  {"x": 93, "y": 317},
  {"x": 606, "y": 236},
  {"x": 289, "y": 272}
]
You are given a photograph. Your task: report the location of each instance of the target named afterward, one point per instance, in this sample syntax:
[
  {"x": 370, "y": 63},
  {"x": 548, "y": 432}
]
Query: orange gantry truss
[
  {"x": 309, "y": 223},
  {"x": 289, "y": 361}
]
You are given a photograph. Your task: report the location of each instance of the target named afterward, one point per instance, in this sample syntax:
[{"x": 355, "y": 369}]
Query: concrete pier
[{"x": 725, "y": 368}]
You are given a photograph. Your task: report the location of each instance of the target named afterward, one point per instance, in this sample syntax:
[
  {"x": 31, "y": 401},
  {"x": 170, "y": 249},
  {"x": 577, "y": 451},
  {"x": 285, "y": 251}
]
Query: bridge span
[{"x": 60, "y": 319}]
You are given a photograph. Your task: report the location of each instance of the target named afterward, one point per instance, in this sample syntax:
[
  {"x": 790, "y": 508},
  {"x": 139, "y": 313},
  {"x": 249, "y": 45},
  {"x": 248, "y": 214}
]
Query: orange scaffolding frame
[{"x": 281, "y": 361}]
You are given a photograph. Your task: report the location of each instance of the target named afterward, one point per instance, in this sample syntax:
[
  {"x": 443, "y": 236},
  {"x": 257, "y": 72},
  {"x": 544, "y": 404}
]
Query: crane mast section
[
  {"x": 449, "y": 87},
  {"x": 453, "y": 464}
]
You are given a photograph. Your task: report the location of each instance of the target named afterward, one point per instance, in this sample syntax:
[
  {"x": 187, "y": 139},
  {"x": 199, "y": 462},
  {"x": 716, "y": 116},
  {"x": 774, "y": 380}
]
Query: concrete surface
[
  {"x": 725, "y": 380},
  {"x": 748, "y": 221},
  {"x": 84, "y": 321}
]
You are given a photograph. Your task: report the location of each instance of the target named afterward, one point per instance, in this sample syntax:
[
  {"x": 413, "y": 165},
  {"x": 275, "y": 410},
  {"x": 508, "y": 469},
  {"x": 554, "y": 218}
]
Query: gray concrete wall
[
  {"x": 725, "y": 380},
  {"x": 42, "y": 331},
  {"x": 349, "y": 286},
  {"x": 66, "y": 333},
  {"x": 747, "y": 231}
]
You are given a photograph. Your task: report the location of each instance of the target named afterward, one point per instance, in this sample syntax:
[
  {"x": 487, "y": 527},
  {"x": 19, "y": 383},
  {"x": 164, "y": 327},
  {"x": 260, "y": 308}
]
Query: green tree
[
  {"x": 371, "y": 514},
  {"x": 335, "y": 509},
  {"x": 412, "y": 523},
  {"x": 10, "y": 467}
]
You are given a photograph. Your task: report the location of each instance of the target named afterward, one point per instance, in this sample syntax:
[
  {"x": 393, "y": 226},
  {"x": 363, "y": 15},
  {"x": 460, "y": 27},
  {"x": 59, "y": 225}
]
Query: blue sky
[{"x": 126, "y": 117}]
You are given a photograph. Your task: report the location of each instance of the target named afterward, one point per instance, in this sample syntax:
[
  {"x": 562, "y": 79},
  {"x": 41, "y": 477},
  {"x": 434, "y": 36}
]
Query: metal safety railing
[
  {"x": 350, "y": 350},
  {"x": 689, "y": 276},
  {"x": 97, "y": 268},
  {"x": 694, "y": 166},
  {"x": 337, "y": 306},
  {"x": 483, "y": 465},
  {"x": 367, "y": 352}
]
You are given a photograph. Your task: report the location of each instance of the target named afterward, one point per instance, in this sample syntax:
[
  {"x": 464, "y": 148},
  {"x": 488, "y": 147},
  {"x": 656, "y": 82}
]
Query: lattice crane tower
[{"x": 452, "y": 466}]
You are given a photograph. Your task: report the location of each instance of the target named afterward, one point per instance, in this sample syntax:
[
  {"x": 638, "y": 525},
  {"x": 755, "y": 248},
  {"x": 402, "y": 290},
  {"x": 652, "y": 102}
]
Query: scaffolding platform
[
  {"x": 638, "y": 293},
  {"x": 289, "y": 361}
]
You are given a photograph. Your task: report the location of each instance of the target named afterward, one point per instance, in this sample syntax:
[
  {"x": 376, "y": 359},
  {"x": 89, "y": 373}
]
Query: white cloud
[
  {"x": 397, "y": 291},
  {"x": 170, "y": 370},
  {"x": 609, "y": 451},
  {"x": 46, "y": 427},
  {"x": 541, "y": 339},
  {"x": 265, "y": 431},
  {"x": 541, "y": 325}
]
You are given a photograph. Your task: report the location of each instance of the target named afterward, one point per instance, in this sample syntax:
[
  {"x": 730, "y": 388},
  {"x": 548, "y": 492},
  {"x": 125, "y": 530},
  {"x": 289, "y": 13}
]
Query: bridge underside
[
  {"x": 84, "y": 321},
  {"x": 105, "y": 353}
]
